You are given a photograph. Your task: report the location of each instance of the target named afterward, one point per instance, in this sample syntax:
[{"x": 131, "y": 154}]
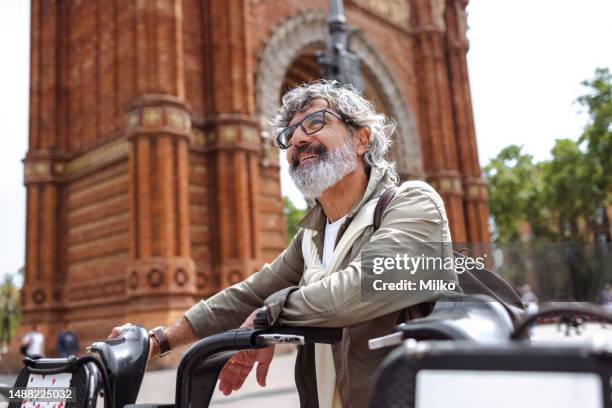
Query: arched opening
[
  {"x": 303, "y": 69},
  {"x": 289, "y": 57},
  {"x": 306, "y": 69}
]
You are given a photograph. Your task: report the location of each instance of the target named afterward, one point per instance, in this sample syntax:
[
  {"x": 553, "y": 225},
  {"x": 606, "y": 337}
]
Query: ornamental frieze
[
  {"x": 96, "y": 290},
  {"x": 476, "y": 191},
  {"x": 227, "y": 134},
  {"x": 103, "y": 155},
  {"x": 447, "y": 185},
  {"x": 163, "y": 118},
  {"x": 51, "y": 169}
]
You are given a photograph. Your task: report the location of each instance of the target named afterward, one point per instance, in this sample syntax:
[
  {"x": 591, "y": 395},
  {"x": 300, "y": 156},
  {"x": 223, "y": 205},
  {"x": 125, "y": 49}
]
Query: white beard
[{"x": 312, "y": 179}]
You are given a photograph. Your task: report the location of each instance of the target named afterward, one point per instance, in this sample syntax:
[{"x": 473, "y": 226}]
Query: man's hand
[
  {"x": 238, "y": 368},
  {"x": 180, "y": 332},
  {"x": 116, "y": 331},
  {"x": 153, "y": 346}
]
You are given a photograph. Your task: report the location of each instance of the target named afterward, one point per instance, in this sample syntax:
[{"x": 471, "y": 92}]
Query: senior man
[{"x": 336, "y": 145}]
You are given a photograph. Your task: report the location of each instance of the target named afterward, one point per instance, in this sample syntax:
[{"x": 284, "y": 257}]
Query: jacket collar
[{"x": 378, "y": 182}]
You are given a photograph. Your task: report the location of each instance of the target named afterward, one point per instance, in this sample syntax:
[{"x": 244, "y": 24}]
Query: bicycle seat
[
  {"x": 458, "y": 317},
  {"x": 125, "y": 359}
]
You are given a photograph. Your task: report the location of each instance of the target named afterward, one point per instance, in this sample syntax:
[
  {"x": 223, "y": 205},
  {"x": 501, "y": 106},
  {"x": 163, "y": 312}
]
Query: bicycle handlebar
[{"x": 200, "y": 367}]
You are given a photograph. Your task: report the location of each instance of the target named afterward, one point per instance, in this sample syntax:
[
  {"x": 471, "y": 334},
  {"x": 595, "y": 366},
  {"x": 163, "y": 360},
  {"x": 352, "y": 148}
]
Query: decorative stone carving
[
  {"x": 197, "y": 137},
  {"x": 476, "y": 190},
  {"x": 133, "y": 280},
  {"x": 250, "y": 135},
  {"x": 395, "y": 11},
  {"x": 96, "y": 290},
  {"x": 59, "y": 168},
  {"x": 228, "y": 134},
  {"x": 162, "y": 113},
  {"x": 133, "y": 120},
  {"x": 39, "y": 296},
  {"x": 103, "y": 155},
  {"x": 308, "y": 29},
  {"x": 447, "y": 184},
  {"x": 180, "y": 277},
  {"x": 155, "y": 278},
  {"x": 41, "y": 169},
  {"x": 151, "y": 117},
  {"x": 437, "y": 12},
  {"x": 176, "y": 119}
]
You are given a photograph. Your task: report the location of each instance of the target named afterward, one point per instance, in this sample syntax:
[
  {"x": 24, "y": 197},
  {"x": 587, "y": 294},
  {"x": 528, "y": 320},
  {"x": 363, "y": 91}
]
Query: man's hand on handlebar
[
  {"x": 116, "y": 333},
  {"x": 237, "y": 369},
  {"x": 178, "y": 333}
]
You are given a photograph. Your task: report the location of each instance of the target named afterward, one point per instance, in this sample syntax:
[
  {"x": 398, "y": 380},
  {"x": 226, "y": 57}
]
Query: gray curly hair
[{"x": 358, "y": 112}]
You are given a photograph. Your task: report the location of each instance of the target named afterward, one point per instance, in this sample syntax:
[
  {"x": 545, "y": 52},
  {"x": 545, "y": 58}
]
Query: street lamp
[{"x": 337, "y": 61}]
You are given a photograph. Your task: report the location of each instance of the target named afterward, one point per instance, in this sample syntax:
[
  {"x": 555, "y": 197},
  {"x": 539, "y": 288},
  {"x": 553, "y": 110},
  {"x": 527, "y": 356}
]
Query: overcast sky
[{"x": 526, "y": 61}]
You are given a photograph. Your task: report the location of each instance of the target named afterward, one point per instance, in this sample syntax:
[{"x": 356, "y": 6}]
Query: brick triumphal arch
[{"x": 151, "y": 179}]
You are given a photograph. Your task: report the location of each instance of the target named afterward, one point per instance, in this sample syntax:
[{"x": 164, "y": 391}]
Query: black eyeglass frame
[{"x": 283, "y": 146}]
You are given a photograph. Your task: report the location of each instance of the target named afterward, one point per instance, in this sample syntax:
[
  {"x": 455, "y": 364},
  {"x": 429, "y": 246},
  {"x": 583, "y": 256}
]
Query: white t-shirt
[
  {"x": 331, "y": 232},
  {"x": 328, "y": 390},
  {"x": 36, "y": 342}
]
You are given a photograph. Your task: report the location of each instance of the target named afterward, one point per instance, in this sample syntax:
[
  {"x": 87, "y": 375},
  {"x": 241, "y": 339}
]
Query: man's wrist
[
  {"x": 154, "y": 346},
  {"x": 160, "y": 340}
]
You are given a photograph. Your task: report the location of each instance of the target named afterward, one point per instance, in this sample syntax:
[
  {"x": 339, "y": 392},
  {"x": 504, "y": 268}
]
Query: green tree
[
  {"x": 515, "y": 194},
  {"x": 557, "y": 197},
  {"x": 596, "y": 139},
  {"x": 569, "y": 190},
  {"x": 9, "y": 307},
  {"x": 293, "y": 215}
]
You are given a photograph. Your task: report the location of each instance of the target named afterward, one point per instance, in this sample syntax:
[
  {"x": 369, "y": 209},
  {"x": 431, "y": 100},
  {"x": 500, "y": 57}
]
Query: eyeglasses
[{"x": 310, "y": 124}]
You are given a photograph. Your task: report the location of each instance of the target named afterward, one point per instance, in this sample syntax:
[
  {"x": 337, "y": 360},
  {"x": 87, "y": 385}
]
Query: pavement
[{"x": 159, "y": 386}]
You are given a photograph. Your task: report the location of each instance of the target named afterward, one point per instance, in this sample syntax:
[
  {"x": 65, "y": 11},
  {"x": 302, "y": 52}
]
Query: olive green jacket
[{"x": 416, "y": 214}]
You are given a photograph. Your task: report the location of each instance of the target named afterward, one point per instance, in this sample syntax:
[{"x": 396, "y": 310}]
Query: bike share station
[{"x": 468, "y": 352}]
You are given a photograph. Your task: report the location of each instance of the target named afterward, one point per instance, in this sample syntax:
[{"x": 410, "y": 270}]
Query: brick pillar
[
  {"x": 435, "y": 111},
  {"x": 42, "y": 293},
  {"x": 234, "y": 142},
  {"x": 161, "y": 271},
  {"x": 475, "y": 200},
  {"x": 161, "y": 274}
]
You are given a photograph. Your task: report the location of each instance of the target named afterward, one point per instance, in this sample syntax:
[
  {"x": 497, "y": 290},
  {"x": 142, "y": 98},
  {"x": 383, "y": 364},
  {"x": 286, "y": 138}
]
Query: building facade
[{"x": 152, "y": 180}]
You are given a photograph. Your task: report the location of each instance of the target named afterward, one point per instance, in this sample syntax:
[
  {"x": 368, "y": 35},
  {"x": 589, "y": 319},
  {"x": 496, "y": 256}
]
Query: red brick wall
[
  {"x": 97, "y": 226},
  {"x": 199, "y": 200}
]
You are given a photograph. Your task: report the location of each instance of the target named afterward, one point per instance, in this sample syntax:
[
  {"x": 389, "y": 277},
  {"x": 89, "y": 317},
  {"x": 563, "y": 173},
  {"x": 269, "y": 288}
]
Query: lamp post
[{"x": 337, "y": 61}]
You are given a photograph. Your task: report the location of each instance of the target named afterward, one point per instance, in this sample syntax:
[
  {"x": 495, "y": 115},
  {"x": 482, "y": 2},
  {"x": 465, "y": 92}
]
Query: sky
[{"x": 526, "y": 61}]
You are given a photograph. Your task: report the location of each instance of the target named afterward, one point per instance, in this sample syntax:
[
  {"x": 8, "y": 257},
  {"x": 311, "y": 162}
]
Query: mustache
[{"x": 317, "y": 149}]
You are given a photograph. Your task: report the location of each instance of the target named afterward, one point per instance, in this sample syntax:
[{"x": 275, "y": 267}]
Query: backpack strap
[
  {"x": 420, "y": 309},
  {"x": 382, "y": 204}
]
